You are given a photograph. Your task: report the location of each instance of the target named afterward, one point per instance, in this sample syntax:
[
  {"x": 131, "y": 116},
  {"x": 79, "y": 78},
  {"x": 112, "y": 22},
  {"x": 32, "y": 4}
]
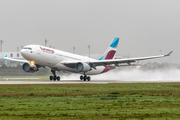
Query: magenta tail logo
[{"x": 110, "y": 54}]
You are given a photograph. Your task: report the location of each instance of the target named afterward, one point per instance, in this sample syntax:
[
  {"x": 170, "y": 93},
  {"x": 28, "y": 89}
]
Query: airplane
[{"x": 37, "y": 56}]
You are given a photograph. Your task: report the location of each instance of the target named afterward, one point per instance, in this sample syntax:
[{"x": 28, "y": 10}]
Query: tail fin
[
  {"x": 5, "y": 55},
  {"x": 111, "y": 50}
]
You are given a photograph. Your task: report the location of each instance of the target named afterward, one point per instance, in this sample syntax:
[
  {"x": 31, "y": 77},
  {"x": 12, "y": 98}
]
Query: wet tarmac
[{"x": 86, "y": 82}]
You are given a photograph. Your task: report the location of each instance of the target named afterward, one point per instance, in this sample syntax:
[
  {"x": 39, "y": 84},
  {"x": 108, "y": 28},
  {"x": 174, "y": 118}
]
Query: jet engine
[
  {"x": 28, "y": 68},
  {"x": 82, "y": 67}
]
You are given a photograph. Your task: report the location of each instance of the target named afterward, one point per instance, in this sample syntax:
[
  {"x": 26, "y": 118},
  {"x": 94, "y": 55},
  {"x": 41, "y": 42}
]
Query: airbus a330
[{"x": 37, "y": 56}]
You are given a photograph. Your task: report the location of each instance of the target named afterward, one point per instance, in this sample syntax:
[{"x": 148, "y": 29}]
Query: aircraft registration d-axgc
[{"x": 37, "y": 56}]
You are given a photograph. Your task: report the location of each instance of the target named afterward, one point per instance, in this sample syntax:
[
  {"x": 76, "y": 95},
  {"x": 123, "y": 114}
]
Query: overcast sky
[{"x": 145, "y": 27}]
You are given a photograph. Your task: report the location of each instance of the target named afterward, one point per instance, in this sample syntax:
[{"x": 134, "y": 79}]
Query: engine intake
[
  {"x": 82, "y": 67},
  {"x": 28, "y": 68}
]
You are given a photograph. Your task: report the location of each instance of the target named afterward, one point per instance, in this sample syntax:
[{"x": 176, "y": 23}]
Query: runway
[
  {"x": 85, "y": 82},
  {"x": 62, "y": 82}
]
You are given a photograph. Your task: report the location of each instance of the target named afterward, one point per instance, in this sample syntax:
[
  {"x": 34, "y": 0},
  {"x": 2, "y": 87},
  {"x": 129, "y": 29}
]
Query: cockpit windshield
[{"x": 27, "y": 48}]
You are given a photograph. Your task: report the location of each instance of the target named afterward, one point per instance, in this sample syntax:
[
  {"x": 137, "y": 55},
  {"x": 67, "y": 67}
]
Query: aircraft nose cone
[
  {"x": 22, "y": 52},
  {"x": 25, "y": 53}
]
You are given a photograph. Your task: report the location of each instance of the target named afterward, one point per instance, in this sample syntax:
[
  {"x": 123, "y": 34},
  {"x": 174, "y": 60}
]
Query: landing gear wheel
[
  {"x": 81, "y": 77},
  {"x": 51, "y": 77},
  {"x": 58, "y": 78},
  {"x": 88, "y": 78},
  {"x": 85, "y": 77},
  {"x": 55, "y": 78}
]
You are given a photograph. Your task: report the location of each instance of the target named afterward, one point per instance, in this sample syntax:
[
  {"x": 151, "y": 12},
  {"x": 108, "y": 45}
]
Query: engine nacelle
[
  {"x": 28, "y": 68},
  {"x": 82, "y": 67}
]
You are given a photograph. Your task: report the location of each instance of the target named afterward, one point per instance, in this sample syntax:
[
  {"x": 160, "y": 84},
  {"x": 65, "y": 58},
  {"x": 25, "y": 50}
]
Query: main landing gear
[
  {"x": 85, "y": 77},
  {"x": 54, "y": 77}
]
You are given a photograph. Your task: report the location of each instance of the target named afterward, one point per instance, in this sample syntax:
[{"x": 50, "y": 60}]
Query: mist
[
  {"x": 150, "y": 72},
  {"x": 139, "y": 75}
]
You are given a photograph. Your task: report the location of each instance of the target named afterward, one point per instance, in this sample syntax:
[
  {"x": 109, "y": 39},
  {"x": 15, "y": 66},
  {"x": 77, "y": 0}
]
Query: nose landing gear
[{"x": 54, "y": 77}]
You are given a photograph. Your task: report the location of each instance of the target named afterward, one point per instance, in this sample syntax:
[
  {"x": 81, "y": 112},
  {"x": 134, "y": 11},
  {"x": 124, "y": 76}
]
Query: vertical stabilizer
[{"x": 111, "y": 50}]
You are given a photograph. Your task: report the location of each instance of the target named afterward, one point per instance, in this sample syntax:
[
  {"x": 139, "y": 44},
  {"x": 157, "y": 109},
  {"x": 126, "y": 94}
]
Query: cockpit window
[{"x": 27, "y": 48}]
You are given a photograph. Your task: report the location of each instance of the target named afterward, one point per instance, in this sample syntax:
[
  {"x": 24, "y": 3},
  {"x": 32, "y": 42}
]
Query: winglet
[
  {"x": 5, "y": 55},
  {"x": 168, "y": 54}
]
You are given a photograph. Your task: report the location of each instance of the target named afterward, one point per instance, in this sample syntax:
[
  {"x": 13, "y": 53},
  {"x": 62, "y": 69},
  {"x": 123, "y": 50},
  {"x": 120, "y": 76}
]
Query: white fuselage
[{"x": 53, "y": 58}]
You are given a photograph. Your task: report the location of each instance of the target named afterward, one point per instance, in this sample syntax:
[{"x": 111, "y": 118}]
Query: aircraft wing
[
  {"x": 117, "y": 61},
  {"x": 126, "y": 60},
  {"x": 16, "y": 60}
]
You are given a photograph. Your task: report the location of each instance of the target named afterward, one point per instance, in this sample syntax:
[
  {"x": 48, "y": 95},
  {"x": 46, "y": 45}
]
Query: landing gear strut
[
  {"x": 54, "y": 77},
  {"x": 85, "y": 77}
]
